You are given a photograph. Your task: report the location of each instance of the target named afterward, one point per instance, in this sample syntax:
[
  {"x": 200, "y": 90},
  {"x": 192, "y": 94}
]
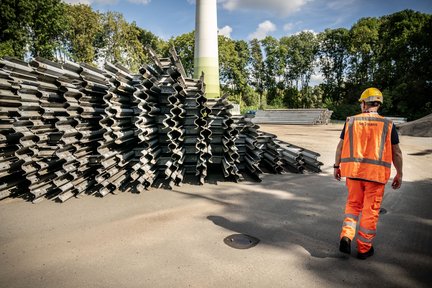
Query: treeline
[
  {"x": 59, "y": 31},
  {"x": 392, "y": 53}
]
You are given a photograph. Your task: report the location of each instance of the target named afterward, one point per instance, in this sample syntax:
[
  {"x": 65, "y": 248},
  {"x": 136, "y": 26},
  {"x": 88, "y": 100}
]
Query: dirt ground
[{"x": 174, "y": 238}]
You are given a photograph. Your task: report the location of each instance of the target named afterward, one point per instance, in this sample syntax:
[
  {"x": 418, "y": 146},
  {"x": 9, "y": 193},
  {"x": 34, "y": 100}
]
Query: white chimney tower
[{"x": 206, "y": 46}]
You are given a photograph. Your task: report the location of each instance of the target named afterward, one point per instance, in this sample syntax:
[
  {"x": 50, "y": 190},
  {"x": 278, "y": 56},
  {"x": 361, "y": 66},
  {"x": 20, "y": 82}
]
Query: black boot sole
[
  {"x": 345, "y": 245},
  {"x": 363, "y": 256}
]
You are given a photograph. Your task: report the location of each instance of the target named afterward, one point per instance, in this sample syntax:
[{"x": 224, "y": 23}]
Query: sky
[{"x": 248, "y": 19}]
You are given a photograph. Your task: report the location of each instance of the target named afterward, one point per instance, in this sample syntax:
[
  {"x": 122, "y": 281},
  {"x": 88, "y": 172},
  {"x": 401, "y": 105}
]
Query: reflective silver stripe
[
  {"x": 361, "y": 238},
  {"x": 355, "y": 217},
  {"x": 368, "y": 161},
  {"x": 351, "y": 136},
  {"x": 350, "y": 224},
  {"x": 367, "y": 231},
  {"x": 383, "y": 139},
  {"x": 378, "y": 119}
]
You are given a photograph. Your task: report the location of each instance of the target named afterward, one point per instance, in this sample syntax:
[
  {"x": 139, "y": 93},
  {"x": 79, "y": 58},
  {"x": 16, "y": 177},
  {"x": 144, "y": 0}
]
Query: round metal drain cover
[
  {"x": 241, "y": 241},
  {"x": 383, "y": 211}
]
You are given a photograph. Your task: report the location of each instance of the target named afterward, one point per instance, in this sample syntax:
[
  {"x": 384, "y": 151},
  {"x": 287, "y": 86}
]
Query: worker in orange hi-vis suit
[{"x": 369, "y": 144}]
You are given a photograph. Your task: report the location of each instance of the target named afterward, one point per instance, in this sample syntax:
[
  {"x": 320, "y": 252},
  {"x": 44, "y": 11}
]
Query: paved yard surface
[{"x": 174, "y": 238}]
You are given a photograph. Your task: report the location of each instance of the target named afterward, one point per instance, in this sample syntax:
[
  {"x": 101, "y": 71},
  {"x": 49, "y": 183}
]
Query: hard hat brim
[{"x": 372, "y": 99}]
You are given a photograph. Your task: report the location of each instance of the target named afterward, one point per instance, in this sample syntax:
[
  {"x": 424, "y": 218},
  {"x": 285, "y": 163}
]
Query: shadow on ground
[{"x": 286, "y": 211}]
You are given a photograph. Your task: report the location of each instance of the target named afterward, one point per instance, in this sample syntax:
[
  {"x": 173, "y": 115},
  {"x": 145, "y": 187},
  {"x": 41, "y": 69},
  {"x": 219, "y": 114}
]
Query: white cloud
[
  {"x": 316, "y": 78},
  {"x": 105, "y": 2},
  {"x": 280, "y": 8},
  {"x": 306, "y": 30},
  {"x": 88, "y": 2},
  {"x": 340, "y": 4},
  {"x": 191, "y": 1},
  {"x": 288, "y": 26},
  {"x": 263, "y": 30},
  {"x": 225, "y": 31},
  {"x": 144, "y": 2}
]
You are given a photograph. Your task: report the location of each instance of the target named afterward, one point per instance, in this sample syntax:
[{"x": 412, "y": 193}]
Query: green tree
[
  {"x": 184, "y": 45},
  {"x": 405, "y": 62},
  {"x": 227, "y": 59},
  {"x": 299, "y": 52},
  {"x": 364, "y": 47},
  {"x": 333, "y": 59},
  {"x": 234, "y": 74},
  {"x": 112, "y": 39},
  {"x": 241, "y": 73},
  {"x": 32, "y": 26},
  {"x": 47, "y": 29},
  {"x": 256, "y": 78},
  {"x": 15, "y": 22},
  {"x": 146, "y": 38},
  {"x": 134, "y": 55},
  {"x": 84, "y": 25},
  {"x": 273, "y": 69}
]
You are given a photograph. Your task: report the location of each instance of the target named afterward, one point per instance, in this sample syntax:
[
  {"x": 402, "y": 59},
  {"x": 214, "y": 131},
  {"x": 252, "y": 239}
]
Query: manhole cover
[
  {"x": 383, "y": 211},
  {"x": 241, "y": 241}
]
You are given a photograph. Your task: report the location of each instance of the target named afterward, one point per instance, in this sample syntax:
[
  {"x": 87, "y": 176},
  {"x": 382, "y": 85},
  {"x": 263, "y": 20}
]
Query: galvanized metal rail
[{"x": 67, "y": 129}]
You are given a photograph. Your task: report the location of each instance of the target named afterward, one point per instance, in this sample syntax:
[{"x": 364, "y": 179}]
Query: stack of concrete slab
[{"x": 293, "y": 116}]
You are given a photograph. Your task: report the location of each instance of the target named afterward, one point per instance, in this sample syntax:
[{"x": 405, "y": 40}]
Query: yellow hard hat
[{"x": 371, "y": 95}]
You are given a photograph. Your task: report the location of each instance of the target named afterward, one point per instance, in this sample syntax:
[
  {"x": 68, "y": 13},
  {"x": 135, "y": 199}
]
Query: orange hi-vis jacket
[{"x": 367, "y": 149}]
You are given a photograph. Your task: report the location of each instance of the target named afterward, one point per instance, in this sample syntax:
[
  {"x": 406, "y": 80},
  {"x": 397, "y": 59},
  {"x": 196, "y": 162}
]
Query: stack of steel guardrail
[
  {"x": 194, "y": 124},
  {"x": 67, "y": 129},
  {"x": 224, "y": 135},
  {"x": 49, "y": 147},
  {"x": 248, "y": 146},
  {"x": 281, "y": 156},
  {"x": 50, "y": 167},
  {"x": 203, "y": 143},
  {"x": 40, "y": 104},
  {"x": 171, "y": 121},
  {"x": 11, "y": 174},
  {"x": 298, "y": 158},
  {"x": 270, "y": 159},
  {"x": 118, "y": 147},
  {"x": 145, "y": 171},
  {"x": 69, "y": 180},
  {"x": 293, "y": 116},
  {"x": 94, "y": 86}
]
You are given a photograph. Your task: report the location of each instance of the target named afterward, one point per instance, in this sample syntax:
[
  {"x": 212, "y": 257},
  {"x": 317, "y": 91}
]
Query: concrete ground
[{"x": 164, "y": 238}]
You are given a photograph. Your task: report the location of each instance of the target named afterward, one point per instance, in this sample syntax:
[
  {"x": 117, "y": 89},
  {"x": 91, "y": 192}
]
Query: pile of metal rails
[
  {"x": 68, "y": 129},
  {"x": 315, "y": 116}
]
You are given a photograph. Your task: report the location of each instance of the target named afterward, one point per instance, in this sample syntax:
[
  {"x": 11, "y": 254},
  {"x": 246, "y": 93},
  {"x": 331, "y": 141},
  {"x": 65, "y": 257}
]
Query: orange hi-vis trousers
[{"x": 363, "y": 197}]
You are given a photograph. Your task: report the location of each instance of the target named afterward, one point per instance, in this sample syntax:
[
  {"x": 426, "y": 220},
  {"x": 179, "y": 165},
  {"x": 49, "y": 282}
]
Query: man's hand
[
  {"x": 397, "y": 181},
  {"x": 336, "y": 169},
  {"x": 337, "y": 173},
  {"x": 397, "y": 162}
]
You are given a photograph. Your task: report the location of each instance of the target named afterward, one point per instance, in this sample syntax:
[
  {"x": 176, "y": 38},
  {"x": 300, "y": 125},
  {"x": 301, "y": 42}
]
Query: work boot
[
  {"x": 365, "y": 255},
  {"x": 345, "y": 245}
]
